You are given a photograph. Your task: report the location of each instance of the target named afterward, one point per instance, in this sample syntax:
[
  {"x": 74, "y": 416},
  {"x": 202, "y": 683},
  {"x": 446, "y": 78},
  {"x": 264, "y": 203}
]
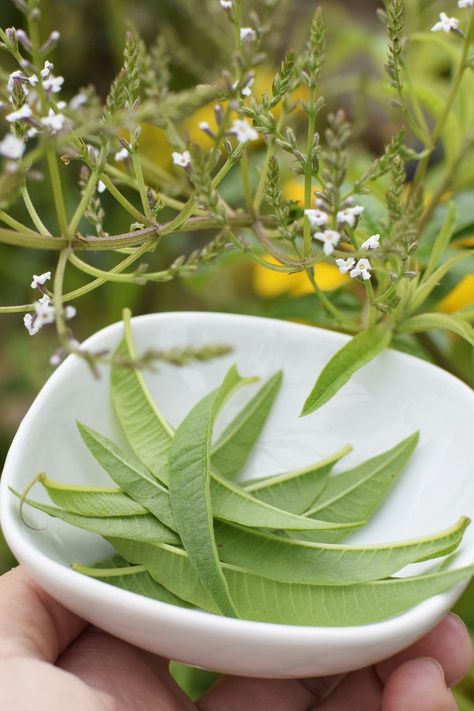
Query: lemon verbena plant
[{"x": 388, "y": 230}]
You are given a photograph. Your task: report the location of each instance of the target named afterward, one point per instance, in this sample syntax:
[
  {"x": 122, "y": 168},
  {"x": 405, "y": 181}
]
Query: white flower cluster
[
  {"x": 24, "y": 83},
  {"x": 44, "y": 311},
  {"x": 330, "y": 238}
]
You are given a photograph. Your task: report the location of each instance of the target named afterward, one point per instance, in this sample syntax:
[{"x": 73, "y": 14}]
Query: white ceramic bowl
[{"x": 386, "y": 401}]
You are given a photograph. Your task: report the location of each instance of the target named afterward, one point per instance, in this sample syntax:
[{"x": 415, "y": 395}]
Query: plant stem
[
  {"x": 137, "y": 166},
  {"x": 440, "y": 124},
  {"x": 35, "y": 218},
  {"x": 308, "y": 175},
  {"x": 61, "y": 327},
  {"x": 15, "y": 224},
  {"x": 244, "y": 170}
]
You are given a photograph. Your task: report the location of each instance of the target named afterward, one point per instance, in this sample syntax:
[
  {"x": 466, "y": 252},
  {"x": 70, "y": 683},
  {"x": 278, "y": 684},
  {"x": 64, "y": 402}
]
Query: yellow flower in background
[
  {"x": 460, "y": 297},
  {"x": 293, "y": 189},
  {"x": 155, "y": 146},
  {"x": 269, "y": 284}
]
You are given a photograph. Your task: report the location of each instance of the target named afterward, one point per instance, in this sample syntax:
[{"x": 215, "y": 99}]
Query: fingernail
[
  {"x": 457, "y": 620},
  {"x": 432, "y": 664}
]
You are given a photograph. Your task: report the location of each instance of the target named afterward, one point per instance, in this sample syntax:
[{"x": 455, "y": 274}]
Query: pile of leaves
[{"x": 268, "y": 549}]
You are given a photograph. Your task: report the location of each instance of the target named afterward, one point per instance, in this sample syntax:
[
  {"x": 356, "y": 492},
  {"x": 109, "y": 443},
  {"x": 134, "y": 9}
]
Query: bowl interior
[{"x": 385, "y": 402}]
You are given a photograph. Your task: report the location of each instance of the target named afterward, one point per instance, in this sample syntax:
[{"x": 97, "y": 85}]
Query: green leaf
[
  {"x": 265, "y": 600},
  {"x": 130, "y": 475},
  {"x": 295, "y": 491},
  {"x": 432, "y": 321},
  {"x": 229, "y": 501},
  {"x": 233, "y": 447},
  {"x": 349, "y": 359},
  {"x": 116, "y": 571},
  {"x": 442, "y": 239},
  {"x": 189, "y": 490},
  {"x": 357, "y": 493},
  {"x": 427, "y": 285},
  {"x": 148, "y": 433},
  {"x": 93, "y": 501},
  {"x": 136, "y": 528},
  {"x": 295, "y": 561}
]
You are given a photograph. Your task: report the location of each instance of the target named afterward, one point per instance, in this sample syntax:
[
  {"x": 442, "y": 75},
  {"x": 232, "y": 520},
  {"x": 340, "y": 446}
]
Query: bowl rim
[{"x": 424, "y": 614}]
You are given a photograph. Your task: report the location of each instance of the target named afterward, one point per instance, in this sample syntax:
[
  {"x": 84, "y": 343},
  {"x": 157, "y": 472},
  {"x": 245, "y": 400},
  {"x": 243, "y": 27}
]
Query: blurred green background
[{"x": 91, "y": 51}]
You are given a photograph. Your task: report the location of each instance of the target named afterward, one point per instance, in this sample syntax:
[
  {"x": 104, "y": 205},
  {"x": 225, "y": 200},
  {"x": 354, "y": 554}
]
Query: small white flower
[
  {"x": 17, "y": 75},
  {"x": 247, "y": 34},
  {"x": 32, "y": 132},
  {"x": 57, "y": 358},
  {"x": 40, "y": 280},
  {"x": 122, "y": 154},
  {"x": 53, "y": 121},
  {"x": 349, "y": 215},
  {"x": 345, "y": 265},
  {"x": 445, "y": 24},
  {"x": 203, "y": 125},
  {"x": 371, "y": 243},
  {"x": 330, "y": 239},
  {"x": 78, "y": 100},
  {"x": 182, "y": 159},
  {"x": 317, "y": 218},
  {"x": 24, "y": 112},
  {"x": 362, "y": 268},
  {"x": 244, "y": 131},
  {"x": 101, "y": 186},
  {"x": 53, "y": 84},
  {"x": 12, "y": 147},
  {"x": 47, "y": 69},
  {"x": 247, "y": 90},
  {"x": 30, "y": 324},
  {"x": 465, "y": 3},
  {"x": 69, "y": 311},
  {"x": 226, "y": 4},
  {"x": 61, "y": 105},
  {"x": 44, "y": 311}
]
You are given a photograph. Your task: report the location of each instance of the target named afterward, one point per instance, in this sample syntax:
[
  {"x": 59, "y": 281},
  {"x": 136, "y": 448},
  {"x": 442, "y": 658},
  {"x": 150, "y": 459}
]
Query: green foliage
[{"x": 207, "y": 546}]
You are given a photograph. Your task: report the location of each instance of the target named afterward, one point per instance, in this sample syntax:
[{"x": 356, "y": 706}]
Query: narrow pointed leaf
[
  {"x": 130, "y": 475},
  {"x": 189, "y": 489},
  {"x": 136, "y": 528},
  {"x": 92, "y": 501},
  {"x": 229, "y": 501},
  {"x": 116, "y": 571},
  {"x": 149, "y": 434},
  {"x": 359, "y": 351},
  {"x": 147, "y": 431},
  {"x": 431, "y": 281},
  {"x": 233, "y": 447},
  {"x": 295, "y": 491},
  {"x": 442, "y": 240},
  {"x": 357, "y": 493},
  {"x": 431, "y": 321},
  {"x": 295, "y": 561},
  {"x": 265, "y": 600}
]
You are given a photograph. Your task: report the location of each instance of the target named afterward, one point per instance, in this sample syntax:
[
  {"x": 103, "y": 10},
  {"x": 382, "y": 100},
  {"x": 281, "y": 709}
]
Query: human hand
[{"x": 51, "y": 660}]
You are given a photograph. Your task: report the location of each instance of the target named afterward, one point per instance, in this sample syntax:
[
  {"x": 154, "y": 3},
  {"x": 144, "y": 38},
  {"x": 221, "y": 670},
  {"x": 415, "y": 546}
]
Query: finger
[
  {"x": 418, "y": 685},
  {"x": 449, "y": 643},
  {"x": 359, "y": 691},
  {"x": 28, "y": 683},
  {"x": 124, "y": 672},
  {"x": 32, "y": 624},
  {"x": 234, "y": 693}
]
